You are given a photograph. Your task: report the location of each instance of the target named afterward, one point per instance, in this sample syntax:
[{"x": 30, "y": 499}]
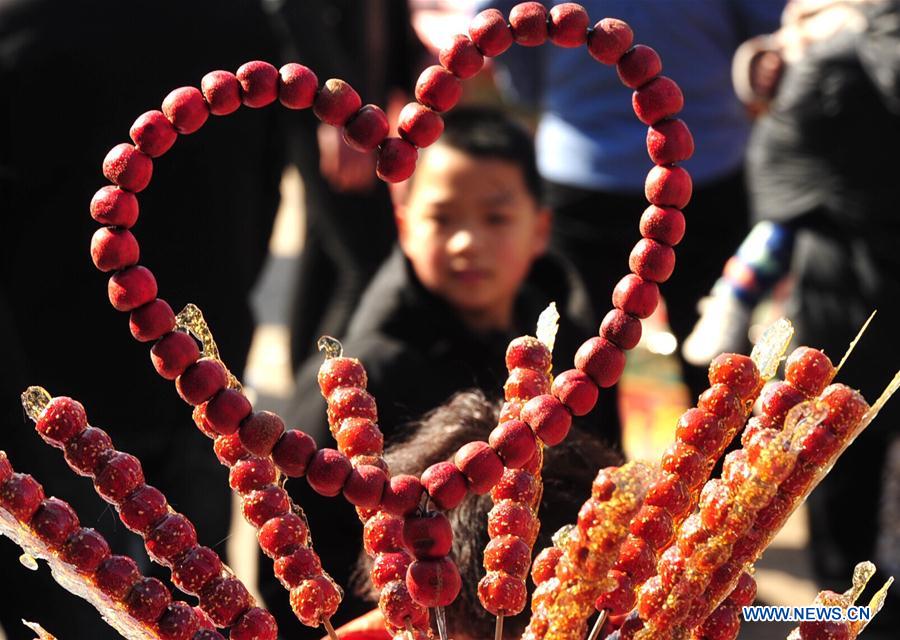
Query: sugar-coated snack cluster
[
  {"x": 702, "y": 434},
  {"x": 408, "y": 548},
  {"x": 570, "y": 576},
  {"x": 507, "y": 558},
  {"x": 169, "y": 537},
  {"x": 55, "y": 526}
]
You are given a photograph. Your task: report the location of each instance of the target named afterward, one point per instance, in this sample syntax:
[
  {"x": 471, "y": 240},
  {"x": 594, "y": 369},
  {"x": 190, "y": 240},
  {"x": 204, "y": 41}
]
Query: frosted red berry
[
  {"x": 282, "y": 535},
  {"x": 480, "y": 465},
  {"x": 53, "y": 522},
  {"x": 143, "y": 508},
  {"x": 262, "y": 505},
  {"x": 186, "y": 109},
  {"x": 609, "y": 40},
  {"x": 224, "y": 599},
  {"x": 433, "y": 583},
  {"x": 147, "y": 600},
  {"x": 300, "y": 565},
  {"x": 490, "y": 33},
  {"x": 116, "y": 575},
  {"x": 119, "y": 475},
  {"x": 153, "y": 134},
  {"x": 196, "y": 568},
  {"x": 297, "y": 87},
  {"x": 222, "y": 92}
]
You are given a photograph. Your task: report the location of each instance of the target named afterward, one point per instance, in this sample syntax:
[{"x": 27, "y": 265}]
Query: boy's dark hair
[
  {"x": 569, "y": 469},
  {"x": 486, "y": 132}
]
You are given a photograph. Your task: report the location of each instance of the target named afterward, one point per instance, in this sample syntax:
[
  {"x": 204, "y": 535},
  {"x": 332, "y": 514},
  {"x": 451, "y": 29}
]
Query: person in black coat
[{"x": 75, "y": 75}]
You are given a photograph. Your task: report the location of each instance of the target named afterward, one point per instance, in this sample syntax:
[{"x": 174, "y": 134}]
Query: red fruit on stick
[
  {"x": 366, "y": 130},
  {"x": 226, "y": 410},
  {"x": 620, "y": 598},
  {"x": 201, "y": 381},
  {"x": 527, "y": 352},
  {"x": 254, "y": 624},
  {"x": 83, "y": 451},
  {"x": 528, "y": 21},
  {"x": 229, "y": 449},
  {"x": 250, "y": 474},
  {"x": 116, "y": 575},
  {"x": 297, "y": 87},
  {"x": 283, "y": 535},
  {"x": 350, "y": 402},
  {"x": 114, "y": 249},
  {"x": 622, "y": 329},
  {"x": 260, "y": 432},
  {"x": 568, "y": 25},
  {"x": 660, "y": 98},
  {"x": 402, "y": 495},
  {"x": 224, "y": 599},
  {"x": 737, "y": 372},
  {"x": 170, "y": 537},
  {"x": 446, "y": 485},
  {"x": 778, "y": 398},
  {"x": 398, "y": 607},
  {"x": 359, "y": 436},
  {"x": 508, "y": 554},
  {"x": 117, "y": 476},
  {"x": 576, "y": 390},
  {"x": 603, "y": 361},
  {"x": 186, "y": 109},
  {"x": 428, "y": 536},
  {"x": 419, "y": 125},
  {"x": 178, "y": 622},
  {"x": 315, "y": 600},
  {"x": 669, "y": 141},
  {"x": 131, "y": 288},
  {"x": 341, "y": 372},
  {"x": 636, "y": 296},
  {"x": 663, "y": 224},
  {"x": 153, "y": 134},
  {"x": 53, "y": 522},
  {"x": 222, "y": 92},
  {"x": 259, "y": 83},
  {"x": 846, "y": 407},
  {"x": 686, "y": 462},
  {"x": 652, "y": 260},
  {"x": 654, "y": 525},
  {"x": 745, "y": 592},
  {"x": 514, "y": 442},
  {"x": 302, "y": 564},
  {"x": 433, "y": 583},
  {"x": 293, "y": 452},
  {"x": 638, "y": 66},
  {"x": 261, "y": 506},
  {"x": 461, "y": 57},
  {"x": 61, "y": 420},
  {"x": 195, "y": 569},
  {"x": 383, "y": 533},
  {"x": 809, "y": 370},
  {"x": 516, "y": 484},
  {"x": 336, "y": 102},
  {"x": 524, "y": 384},
  {"x": 147, "y": 600},
  {"x": 544, "y": 566},
  {"x": 85, "y": 549},
  {"x": 668, "y": 187},
  {"x": 725, "y": 404},
  {"x": 609, "y": 40},
  {"x": 703, "y": 431},
  {"x": 143, "y": 508},
  {"x": 549, "y": 418},
  {"x": 510, "y": 517},
  {"x": 114, "y": 206},
  {"x": 328, "y": 472},
  {"x": 174, "y": 353},
  {"x": 389, "y": 567},
  {"x": 365, "y": 486},
  {"x": 490, "y": 33},
  {"x": 128, "y": 167},
  {"x": 636, "y": 558},
  {"x": 480, "y": 465},
  {"x": 438, "y": 89},
  {"x": 502, "y": 594},
  {"x": 723, "y": 623},
  {"x": 396, "y": 160},
  {"x": 151, "y": 321},
  {"x": 671, "y": 493}
]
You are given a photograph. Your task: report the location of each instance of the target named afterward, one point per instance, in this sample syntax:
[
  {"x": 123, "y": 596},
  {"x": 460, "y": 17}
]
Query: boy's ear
[
  {"x": 542, "y": 231},
  {"x": 400, "y": 212}
]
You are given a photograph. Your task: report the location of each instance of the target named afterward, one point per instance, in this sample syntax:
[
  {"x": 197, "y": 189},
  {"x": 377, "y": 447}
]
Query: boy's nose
[{"x": 461, "y": 241}]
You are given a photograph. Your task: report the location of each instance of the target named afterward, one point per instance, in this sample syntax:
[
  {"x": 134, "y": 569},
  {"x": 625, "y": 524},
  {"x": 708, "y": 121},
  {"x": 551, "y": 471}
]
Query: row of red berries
[
  {"x": 397, "y": 545},
  {"x": 507, "y": 557},
  {"x": 56, "y": 525},
  {"x": 169, "y": 537},
  {"x": 701, "y": 435}
]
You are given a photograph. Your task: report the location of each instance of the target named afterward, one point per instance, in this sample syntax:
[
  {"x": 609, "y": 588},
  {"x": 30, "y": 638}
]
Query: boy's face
[{"x": 471, "y": 229}]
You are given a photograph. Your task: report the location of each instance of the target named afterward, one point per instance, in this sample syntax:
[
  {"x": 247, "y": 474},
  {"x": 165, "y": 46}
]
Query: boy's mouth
[{"x": 470, "y": 275}]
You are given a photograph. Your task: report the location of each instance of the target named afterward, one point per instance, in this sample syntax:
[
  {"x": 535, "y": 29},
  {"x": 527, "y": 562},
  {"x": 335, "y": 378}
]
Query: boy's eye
[{"x": 497, "y": 218}]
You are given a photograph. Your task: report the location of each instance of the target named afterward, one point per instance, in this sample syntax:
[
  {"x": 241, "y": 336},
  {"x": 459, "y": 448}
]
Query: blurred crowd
[{"x": 532, "y": 195}]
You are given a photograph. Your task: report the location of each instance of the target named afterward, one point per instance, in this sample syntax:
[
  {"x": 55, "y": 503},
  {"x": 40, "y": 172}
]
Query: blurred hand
[
  {"x": 345, "y": 169},
  {"x": 722, "y": 328}
]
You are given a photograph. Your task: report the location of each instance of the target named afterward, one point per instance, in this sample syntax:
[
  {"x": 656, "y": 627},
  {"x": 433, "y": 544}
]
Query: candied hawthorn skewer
[
  {"x": 845, "y": 629},
  {"x": 81, "y": 561},
  {"x": 169, "y": 536},
  {"x": 570, "y": 579},
  {"x": 394, "y": 535}
]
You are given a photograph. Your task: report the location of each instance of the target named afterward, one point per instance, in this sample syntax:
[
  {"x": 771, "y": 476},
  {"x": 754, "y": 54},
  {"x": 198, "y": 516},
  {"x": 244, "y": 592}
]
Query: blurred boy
[{"x": 470, "y": 273}]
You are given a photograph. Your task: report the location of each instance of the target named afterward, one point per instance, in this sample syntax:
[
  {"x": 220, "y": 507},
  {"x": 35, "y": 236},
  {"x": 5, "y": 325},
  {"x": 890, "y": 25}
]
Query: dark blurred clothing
[
  {"x": 75, "y": 75},
  {"x": 821, "y": 162},
  {"x": 348, "y": 235}
]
